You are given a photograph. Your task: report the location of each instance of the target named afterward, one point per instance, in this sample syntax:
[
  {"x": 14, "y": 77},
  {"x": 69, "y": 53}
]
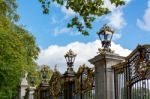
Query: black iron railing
[{"x": 132, "y": 77}]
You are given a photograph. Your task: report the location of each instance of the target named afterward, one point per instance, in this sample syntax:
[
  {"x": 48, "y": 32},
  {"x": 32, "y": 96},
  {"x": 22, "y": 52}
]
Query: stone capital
[{"x": 107, "y": 56}]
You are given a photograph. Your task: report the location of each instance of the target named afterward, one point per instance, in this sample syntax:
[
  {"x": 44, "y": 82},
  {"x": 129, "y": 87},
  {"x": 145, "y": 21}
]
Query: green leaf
[{"x": 18, "y": 50}]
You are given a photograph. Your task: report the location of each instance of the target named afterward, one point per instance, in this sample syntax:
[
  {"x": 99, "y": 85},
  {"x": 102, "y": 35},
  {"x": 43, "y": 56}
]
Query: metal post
[{"x": 81, "y": 88}]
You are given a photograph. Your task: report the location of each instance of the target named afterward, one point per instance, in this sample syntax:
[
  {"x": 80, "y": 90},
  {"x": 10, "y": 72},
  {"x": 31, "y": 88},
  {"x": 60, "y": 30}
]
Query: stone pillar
[
  {"x": 104, "y": 74},
  {"x": 31, "y": 92},
  {"x": 23, "y": 87}
]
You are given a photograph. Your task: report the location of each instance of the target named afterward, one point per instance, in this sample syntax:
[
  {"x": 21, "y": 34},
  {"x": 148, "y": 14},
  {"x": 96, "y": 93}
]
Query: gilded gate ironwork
[
  {"x": 132, "y": 77},
  {"x": 84, "y": 83},
  {"x": 84, "y": 86},
  {"x": 55, "y": 85},
  {"x": 70, "y": 85}
]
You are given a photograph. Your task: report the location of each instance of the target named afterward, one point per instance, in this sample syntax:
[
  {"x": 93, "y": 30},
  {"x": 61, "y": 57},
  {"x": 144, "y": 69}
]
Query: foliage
[
  {"x": 38, "y": 75},
  {"x": 8, "y": 9},
  {"x": 88, "y": 10},
  {"x": 18, "y": 50}
]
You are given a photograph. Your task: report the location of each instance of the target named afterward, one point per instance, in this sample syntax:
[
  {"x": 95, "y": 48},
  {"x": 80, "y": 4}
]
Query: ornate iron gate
[
  {"x": 82, "y": 86},
  {"x": 132, "y": 77},
  {"x": 84, "y": 83},
  {"x": 70, "y": 85}
]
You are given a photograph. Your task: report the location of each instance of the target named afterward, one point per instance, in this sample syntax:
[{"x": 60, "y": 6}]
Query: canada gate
[
  {"x": 129, "y": 79},
  {"x": 132, "y": 77}
]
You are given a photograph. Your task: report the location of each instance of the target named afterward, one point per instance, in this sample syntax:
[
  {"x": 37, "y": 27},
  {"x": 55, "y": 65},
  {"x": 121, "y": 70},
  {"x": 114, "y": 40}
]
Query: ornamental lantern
[
  {"x": 70, "y": 58},
  {"x": 44, "y": 73},
  {"x": 69, "y": 75},
  {"x": 105, "y": 35}
]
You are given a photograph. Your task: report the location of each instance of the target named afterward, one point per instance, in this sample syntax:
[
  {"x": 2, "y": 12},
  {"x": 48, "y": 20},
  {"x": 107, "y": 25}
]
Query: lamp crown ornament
[{"x": 105, "y": 35}]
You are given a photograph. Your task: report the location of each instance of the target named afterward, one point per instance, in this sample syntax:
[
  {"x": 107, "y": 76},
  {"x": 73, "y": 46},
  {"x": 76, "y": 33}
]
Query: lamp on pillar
[
  {"x": 43, "y": 87},
  {"x": 69, "y": 75},
  {"x": 70, "y": 58},
  {"x": 105, "y": 35},
  {"x": 44, "y": 74},
  {"x": 103, "y": 62}
]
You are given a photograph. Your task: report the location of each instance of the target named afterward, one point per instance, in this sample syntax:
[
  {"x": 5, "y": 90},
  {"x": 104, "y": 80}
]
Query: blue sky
[
  {"x": 131, "y": 23},
  {"x": 43, "y": 26}
]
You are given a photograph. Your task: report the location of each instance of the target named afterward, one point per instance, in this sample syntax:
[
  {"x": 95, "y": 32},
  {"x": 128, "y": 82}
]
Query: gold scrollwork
[
  {"x": 55, "y": 84},
  {"x": 127, "y": 83},
  {"x": 85, "y": 79}
]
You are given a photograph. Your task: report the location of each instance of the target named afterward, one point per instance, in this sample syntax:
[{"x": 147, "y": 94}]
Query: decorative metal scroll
[
  {"x": 55, "y": 85},
  {"x": 84, "y": 83},
  {"x": 132, "y": 77}
]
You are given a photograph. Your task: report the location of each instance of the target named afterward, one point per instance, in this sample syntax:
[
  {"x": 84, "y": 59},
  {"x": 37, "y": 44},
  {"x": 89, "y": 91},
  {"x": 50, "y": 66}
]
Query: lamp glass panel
[
  {"x": 108, "y": 36},
  {"x": 70, "y": 59}
]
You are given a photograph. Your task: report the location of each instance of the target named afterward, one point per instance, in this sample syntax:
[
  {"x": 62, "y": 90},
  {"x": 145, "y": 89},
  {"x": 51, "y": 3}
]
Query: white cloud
[
  {"x": 112, "y": 7},
  {"x": 116, "y": 36},
  {"x": 75, "y": 33},
  {"x": 54, "y": 54},
  {"x": 116, "y": 19},
  {"x": 67, "y": 12},
  {"x": 120, "y": 50},
  {"x": 54, "y": 20},
  {"x": 58, "y": 31},
  {"x": 145, "y": 23},
  {"x": 108, "y": 5}
]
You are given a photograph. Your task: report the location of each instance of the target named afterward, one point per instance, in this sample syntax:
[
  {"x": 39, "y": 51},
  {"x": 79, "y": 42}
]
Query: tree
[
  {"x": 18, "y": 50},
  {"x": 87, "y": 10}
]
